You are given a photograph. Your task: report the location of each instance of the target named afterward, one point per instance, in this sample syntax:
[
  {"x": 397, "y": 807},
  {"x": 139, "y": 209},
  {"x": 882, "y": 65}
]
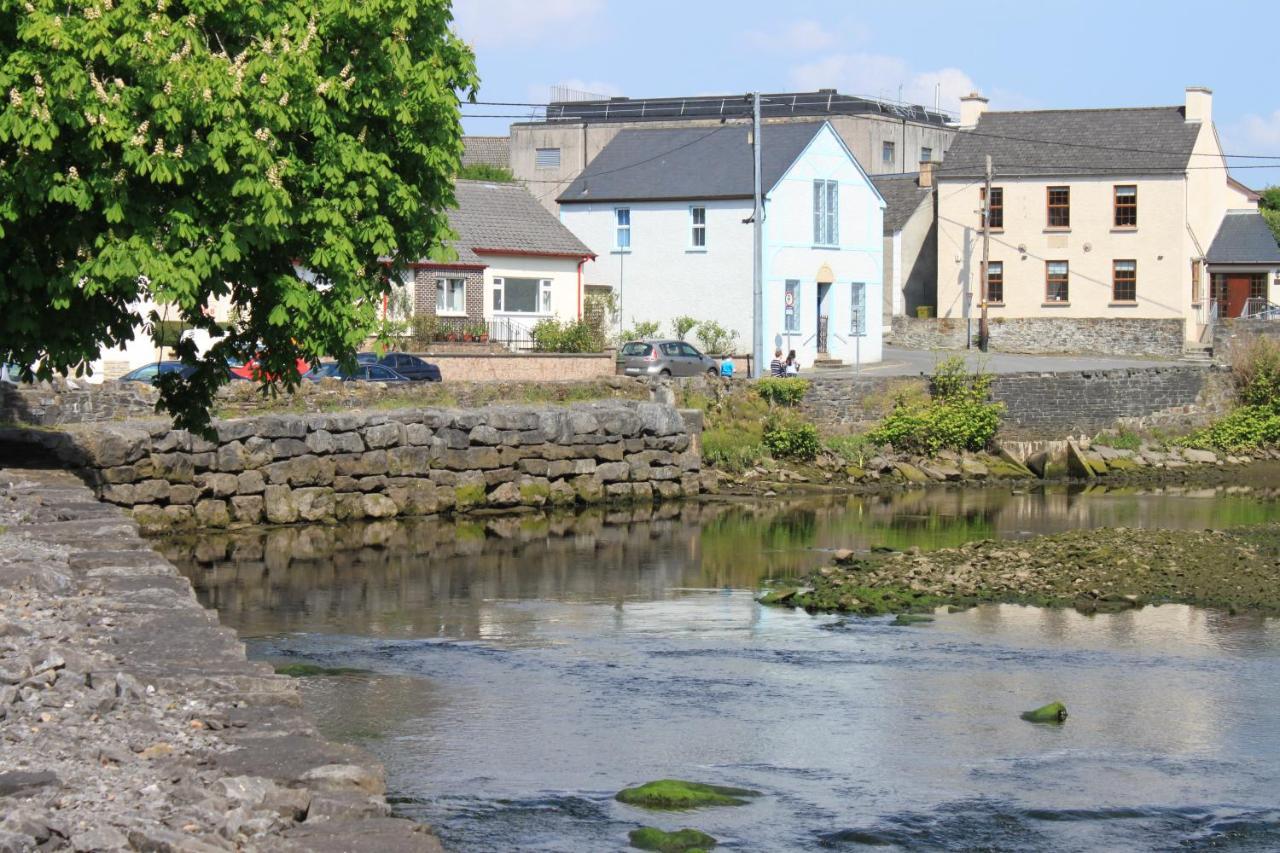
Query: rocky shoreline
[
  {"x": 130, "y": 720},
  {"x": 1109, "y": 569}
]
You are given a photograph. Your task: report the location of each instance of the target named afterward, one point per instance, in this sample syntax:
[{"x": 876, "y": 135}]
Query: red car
[{"x": 250, "y": 370}]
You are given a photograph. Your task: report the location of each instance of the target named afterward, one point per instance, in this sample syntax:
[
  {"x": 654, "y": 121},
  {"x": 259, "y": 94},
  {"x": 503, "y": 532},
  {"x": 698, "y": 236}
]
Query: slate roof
[
  {"x": 506, "y": 217},
  {"x": 1066, "y": 143},
  {"x": 486, "y": 150},
  {"x": 902, "y": 195},
  {"x": 1244, "y": 238},
  {"x": 688, "y": 163}
]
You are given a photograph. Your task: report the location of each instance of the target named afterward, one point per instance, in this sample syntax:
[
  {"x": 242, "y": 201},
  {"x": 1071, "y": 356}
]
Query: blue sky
[{"x": 1022, "y": 55}]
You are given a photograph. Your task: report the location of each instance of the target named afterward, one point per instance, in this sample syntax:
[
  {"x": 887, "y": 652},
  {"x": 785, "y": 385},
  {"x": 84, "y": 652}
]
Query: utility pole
[
  {"x": 984, "y": 332},
  {"x": 757, "y": 251}
]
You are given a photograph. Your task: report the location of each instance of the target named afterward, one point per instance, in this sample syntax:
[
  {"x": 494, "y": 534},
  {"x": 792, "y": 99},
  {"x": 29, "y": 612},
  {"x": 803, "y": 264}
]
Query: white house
[{"x": 668, "y": 213}]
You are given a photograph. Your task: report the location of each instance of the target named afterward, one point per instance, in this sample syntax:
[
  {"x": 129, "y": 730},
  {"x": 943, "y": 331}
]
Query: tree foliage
[
  {"x": 1270, "y": 207},
  {"x": 177, "y": 153},
  {"x": 486, "y": 172}
]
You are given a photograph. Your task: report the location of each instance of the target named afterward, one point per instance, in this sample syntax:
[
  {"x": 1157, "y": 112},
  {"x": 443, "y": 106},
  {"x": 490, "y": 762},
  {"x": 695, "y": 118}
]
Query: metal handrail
[{"x": 1260, "y": 309}]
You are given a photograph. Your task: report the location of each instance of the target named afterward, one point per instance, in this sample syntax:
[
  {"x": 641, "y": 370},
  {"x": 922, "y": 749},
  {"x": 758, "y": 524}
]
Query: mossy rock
[
  {"x": 680, "y": 841},
  {"x": 781, "y": 595},
  {"x": 468, "y": 496},
  {"x": 679, "y": 794},
  {"x": 311, "y": 670},
  {"x": 1120, "y": 465},
  {"x": 912, "y": 619},
  {"x": 1054, "y": 712}
]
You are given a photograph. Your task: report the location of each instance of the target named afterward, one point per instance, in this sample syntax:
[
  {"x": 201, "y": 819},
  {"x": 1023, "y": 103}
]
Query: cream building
[{"x": 1102, "y": 221}]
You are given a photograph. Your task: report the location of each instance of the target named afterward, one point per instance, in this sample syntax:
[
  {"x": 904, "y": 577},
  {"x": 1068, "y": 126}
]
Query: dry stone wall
[
  {"x": 1094, "y": 335},
  {"x": 281, "y": 469}
]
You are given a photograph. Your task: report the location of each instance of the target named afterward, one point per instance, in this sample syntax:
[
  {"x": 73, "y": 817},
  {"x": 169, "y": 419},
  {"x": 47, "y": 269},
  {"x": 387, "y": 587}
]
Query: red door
[{"x": 1232, "y": 293}]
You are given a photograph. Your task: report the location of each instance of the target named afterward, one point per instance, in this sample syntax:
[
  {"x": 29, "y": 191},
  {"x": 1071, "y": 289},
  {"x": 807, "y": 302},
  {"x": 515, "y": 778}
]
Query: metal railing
[
  {"x": 1260, "y": 309},
  {"x": 515, "y": 335}
]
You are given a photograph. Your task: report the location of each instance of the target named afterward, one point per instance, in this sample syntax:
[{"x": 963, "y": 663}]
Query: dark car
[
  {"x": 411, "y": 367},
  {"x": 149, "y": 372},
  {"x": 366, "y": 358},
  {"x": 361, "y": 373},
  {"x": 664, "y": 358}
]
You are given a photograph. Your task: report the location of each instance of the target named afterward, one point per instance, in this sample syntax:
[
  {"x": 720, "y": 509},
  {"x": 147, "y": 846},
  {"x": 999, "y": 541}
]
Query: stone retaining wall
[
  {"x": 1231, "y": 337},
  {"x": 287, "y": 468},
  {"x": 523, "y": 367},
  {"x": 1106, "y": 336}
]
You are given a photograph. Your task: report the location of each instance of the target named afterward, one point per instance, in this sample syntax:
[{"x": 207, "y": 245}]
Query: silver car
[{"x": 664, "y": 358}]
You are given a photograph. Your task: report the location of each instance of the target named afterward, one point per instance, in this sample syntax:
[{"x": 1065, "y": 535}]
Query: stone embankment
[
  {"x": 130, "y": 720},
  {"x": 282, "y": 469}
]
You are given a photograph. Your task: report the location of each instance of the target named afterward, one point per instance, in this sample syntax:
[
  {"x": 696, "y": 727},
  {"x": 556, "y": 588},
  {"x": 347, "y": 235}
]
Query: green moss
[
  {"x": 681, "y": 841},
  {"x": 1120, "y": 465},
  {"x": 830, "y": 595},
  {"x": 311, "y": 670},
  {"x": 1054, "y": 712},
  {"x": 472, "y": 494},
  {"x": 679, "y": 794},
  {"x": 534, "y": 492},
  {"x": 781, "y": 595},
  {"x": 912, "y": 619}
]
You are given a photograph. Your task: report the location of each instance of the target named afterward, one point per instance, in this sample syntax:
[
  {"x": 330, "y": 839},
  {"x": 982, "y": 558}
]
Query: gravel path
[{"x": 130, "y": 720}]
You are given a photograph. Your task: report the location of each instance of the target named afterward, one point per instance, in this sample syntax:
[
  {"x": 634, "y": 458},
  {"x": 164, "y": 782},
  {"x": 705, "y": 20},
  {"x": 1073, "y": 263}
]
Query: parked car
[
  {"x": 411, "y": 367},
  {"x": 664, "y": 358},
  {"x": 250, "y": 369},
  {"x": 361, "y": 373},
  {"x": 149, "y": 372},
  {"x": 367, "y": 358}
]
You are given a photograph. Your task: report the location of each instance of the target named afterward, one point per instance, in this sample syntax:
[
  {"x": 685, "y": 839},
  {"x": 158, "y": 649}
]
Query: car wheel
[
  {"x": 712, "y": 372},
  {"x": 664, "y": 373}
]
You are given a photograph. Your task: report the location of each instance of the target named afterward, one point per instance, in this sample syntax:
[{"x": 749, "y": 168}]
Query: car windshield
[
  {"x": 366, "y": 358},
  {"x": 635, "y": 348},
  {"x": 328, "y": 369},
  {"x": 378, "y": 372}
]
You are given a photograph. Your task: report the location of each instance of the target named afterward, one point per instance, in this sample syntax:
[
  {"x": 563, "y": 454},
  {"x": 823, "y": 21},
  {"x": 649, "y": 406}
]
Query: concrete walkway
[{"x": 907, "y": 362}]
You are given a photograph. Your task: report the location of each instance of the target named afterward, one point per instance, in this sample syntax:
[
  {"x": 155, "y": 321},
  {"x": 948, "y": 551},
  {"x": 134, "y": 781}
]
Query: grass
[{"x": 1122, "y": 440}]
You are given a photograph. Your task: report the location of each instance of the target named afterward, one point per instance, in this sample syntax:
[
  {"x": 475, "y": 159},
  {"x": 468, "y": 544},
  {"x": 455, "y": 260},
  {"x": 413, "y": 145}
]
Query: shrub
[
  {"x": 642, "y": 331},
  {"x": 552, "y": 335},
  {"x": 1246, "y": 428},
  {"x": 1122, "y": 440},
  {"x": 423, "y": 329},
  {"x": 683, "y": 325},
  {"x": 1256, "y": 373},
  {"x": 853, "y": 449},
  {"x": 731, "y": 449},
  {"x": 782, "y": 392},
  {"x": 791, "y": 438},
  {"x": 486, "y": 172},
  {"x": 958, "y": 416},
  {"x": 716, "y": 339}
]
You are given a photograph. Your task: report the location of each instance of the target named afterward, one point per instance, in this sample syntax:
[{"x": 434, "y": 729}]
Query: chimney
[
  {"x": 972, "y": 106},
  {"x": 1199, "y": 104},
  {"x": 926, "y": 173}
]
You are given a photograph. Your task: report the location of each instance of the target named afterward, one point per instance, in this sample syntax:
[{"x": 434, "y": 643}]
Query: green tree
[
  {"x": 179, "y": 153},
  {"x": 486, "y": 172},
  {"x": 1270, "y": 207}
]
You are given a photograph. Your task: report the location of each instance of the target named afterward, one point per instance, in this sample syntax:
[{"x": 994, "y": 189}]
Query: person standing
[
  {"x": 792, "y": 365},
  {"x": 777, "y": 367},
  {"x": 726, "y": 367}
]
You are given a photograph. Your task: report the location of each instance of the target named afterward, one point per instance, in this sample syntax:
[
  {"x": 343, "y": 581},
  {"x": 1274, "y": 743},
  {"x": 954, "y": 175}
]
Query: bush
[
  {"x": 486, "y": 172},
  {"x": 642, "y": 331},
  {"x": 552, "y": 335},
  {"x": 852, "y": 449},
  {"x": 716, "y": 339},
  {"x": 423, "y": 329},
  {"x": 682, "y": 326},
  {"x": 791, "y": 438},
  {"x": 782, "y": 392},
  {"x": 957, "y": 416},
  {"x": 731, "y": 449},
  {"x": 1246, "y": 428},
  {"x": 1256, "y": 373}
]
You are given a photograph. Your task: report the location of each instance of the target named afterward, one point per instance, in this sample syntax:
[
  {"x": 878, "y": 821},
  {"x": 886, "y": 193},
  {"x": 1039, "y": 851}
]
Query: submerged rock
[
  {"x": 309, "y": 670},
  {"x": 680, "y": 841},
  {"x": 1054, "y": 712},
  {"x": 781, "y": 595},
  {"x": 912, "y": 619},
  {"x": 679, "y": 794}
]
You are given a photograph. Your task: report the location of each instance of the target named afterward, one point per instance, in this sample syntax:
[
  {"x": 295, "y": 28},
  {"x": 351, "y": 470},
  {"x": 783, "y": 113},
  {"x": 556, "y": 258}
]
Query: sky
[{"x": 1021, "y": 55}]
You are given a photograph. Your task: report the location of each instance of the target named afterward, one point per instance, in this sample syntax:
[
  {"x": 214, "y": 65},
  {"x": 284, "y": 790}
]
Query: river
[{"x": 522, "y": 669}]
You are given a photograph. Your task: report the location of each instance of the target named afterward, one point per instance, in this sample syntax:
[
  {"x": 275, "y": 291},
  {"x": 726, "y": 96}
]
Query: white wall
[
  {"x": 662, "y": 276},
  {"x": 563, "y": 273}
]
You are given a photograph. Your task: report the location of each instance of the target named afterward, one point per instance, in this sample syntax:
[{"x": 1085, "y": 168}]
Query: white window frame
[
  {"x": 791, "y": 323},
  {"x": 858, "y": 309},
  {"x": 444, "y": 284},
  {"x": 543, "y": 299},
  {"x": 923, "y": 157},
  {"x": 826, "y": 213},
  {"x": 619, "y": 229},
  {"x": 697, "y": 229},
  {"x": 888, "y": 151},
  {"x": 543, "y": 156}
]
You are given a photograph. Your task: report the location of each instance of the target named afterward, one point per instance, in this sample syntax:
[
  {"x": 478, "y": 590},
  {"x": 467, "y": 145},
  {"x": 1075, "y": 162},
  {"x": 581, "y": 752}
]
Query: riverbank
[
  {"x": 1104, "y": 570},
  {"x": 129, "y": 719}
]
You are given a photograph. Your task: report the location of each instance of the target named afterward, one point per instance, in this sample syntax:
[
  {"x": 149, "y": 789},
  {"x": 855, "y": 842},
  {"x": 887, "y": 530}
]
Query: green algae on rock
[
  {"x": 679, "y": 794},
  {"x": 1054, "y": 712},
  {"x": 912, "y": 619},
  {"x": 310, "y": 670},
  {"x": 680, "y": 841}
]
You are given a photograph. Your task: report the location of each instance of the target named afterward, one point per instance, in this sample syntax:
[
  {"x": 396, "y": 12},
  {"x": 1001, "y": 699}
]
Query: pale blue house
[{"x": 667, "y": 213}]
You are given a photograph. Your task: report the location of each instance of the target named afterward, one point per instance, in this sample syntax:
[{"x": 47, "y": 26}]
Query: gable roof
[
  {"x": 902, "y": 196},
  {"x": 496, "y": 218},
  {"x": 688, "y": 163},
  {"x": 486, "y": 150},
  {"x": 1066, "y": 143},
  {"x": 1244, "y": 238}
]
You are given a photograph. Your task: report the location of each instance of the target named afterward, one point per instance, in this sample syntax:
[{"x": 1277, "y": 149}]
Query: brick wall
[
  {"x": 1046, "y": 335},
  {"x": 424, "y": 294}
]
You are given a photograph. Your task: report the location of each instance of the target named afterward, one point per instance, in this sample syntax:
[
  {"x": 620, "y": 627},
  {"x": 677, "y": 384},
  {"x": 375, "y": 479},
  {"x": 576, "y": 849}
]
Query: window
[
  {"x": 1219, "y": 285},
  {"x": 1056, "y": 273},
  {"x": 1124, "y": 281},
  {"x": 826, "y": 213},
  {"x": 791, "y": 306},
  {"x": 858, "y": 309},
  {"x": 889, "y": 152},
  {"x": 995, "y": 214},
  {"x": 697, "y": 228},
  {"x": 926, "y": 154},
  {"x": 1197, "y": 294},
  {"x": 1059, "y": 207},
  {"x": 547, "y": 158},
  {"x": 995, "y": 282},
  {"x": 451, "y": 296},
  {"x": 1127, "y": 207},
  {"x": 688, "y": 351},
  {"x": 622, "y": 234},
  {"x": 1258, "y": 285},
  {"x": 522, "y": 295}
]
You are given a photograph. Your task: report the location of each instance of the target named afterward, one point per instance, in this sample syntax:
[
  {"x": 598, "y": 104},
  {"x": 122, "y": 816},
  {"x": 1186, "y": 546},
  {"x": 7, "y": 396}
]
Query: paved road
[{"x": 907, "y": 362}]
